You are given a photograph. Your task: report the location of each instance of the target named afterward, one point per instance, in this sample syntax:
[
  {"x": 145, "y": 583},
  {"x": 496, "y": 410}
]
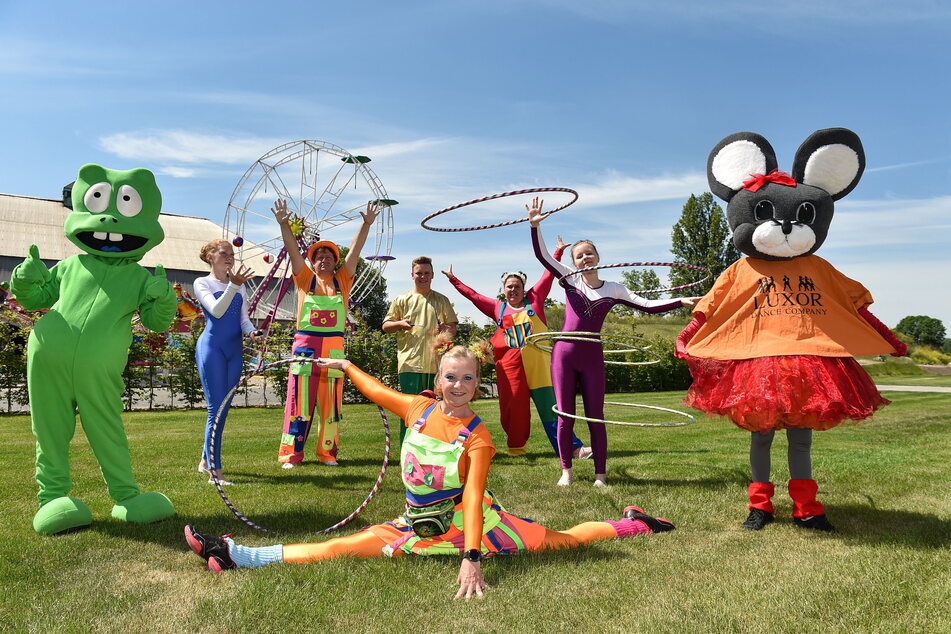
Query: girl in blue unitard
[{"x": 219, "y": 349}]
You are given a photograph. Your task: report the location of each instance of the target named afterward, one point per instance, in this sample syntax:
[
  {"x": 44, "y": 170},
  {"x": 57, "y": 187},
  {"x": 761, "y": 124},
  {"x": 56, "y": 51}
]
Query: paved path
[{"x": 914, "y": 388}]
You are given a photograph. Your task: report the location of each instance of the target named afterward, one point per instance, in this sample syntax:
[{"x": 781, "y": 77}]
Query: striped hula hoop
[
  {"x": 214, "y": 433},
  {"x": 653, "y": 291},
  {"x": 534, "y": 190}
]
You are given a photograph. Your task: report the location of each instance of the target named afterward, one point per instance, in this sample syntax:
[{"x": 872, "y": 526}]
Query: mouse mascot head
[{"x": 771, "y": 345}]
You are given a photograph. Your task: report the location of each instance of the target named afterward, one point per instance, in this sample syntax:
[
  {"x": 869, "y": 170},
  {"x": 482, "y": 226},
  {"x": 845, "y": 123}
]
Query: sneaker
[
  {"x": 582, "y": 453},
  {"x": 208, "y": 547},
  {"x": 203, "y": 466},
  {"x": 757, "y": 519},
  {"x": 222, "y": 481},
  {"x": 817, "y": 522},
  {"x": 656, "y": 524},
  {"x": 288, "y": 465},
  {"x": 600, "y": 483},
  {"x": 564, "y": 480},
  {"x": 219, "y": 564},
  {"x": 330, "y": 463}
]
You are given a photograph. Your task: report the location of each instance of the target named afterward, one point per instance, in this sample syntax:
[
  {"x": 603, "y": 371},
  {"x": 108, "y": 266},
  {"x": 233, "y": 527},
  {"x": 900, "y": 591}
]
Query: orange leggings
[{"x": 365, "y": 544}]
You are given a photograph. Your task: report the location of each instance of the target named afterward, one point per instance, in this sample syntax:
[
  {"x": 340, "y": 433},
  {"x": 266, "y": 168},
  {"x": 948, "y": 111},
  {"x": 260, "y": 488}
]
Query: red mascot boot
[
  {"x": 807, "y": 512},
  {"x": 761, "y": 507}
]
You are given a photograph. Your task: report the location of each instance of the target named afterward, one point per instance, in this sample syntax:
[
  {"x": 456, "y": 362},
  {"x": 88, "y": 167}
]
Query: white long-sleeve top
[{"x": 205, "y": 289}]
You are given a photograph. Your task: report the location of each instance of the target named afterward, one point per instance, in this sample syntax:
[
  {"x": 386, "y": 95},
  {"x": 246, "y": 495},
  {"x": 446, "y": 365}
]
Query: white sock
[{"x": 250, "y": 557}]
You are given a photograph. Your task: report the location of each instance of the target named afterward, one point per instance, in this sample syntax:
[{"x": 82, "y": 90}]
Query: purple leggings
[{"x": 573, "y": 364}]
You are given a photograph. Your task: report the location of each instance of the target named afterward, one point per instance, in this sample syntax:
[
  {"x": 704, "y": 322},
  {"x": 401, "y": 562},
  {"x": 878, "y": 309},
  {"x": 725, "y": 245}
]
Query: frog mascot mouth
[{"x": 78, "y": 350}]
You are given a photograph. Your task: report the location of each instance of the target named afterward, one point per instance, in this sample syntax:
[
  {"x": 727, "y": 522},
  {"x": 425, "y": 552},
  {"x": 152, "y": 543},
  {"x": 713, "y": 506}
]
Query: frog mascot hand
[{"x": 78, "y": 350}]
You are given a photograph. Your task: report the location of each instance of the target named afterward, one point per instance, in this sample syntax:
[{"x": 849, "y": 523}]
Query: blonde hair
[
  {"x": 211, "y": 246},
  {"x": 478, "y": 351},
  {"x": 572, "y": 250}
]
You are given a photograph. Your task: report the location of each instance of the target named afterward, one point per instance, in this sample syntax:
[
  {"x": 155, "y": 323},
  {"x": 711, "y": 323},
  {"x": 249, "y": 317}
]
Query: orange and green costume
[
  {"x": 461, "y": 471},
  {"x": 322, "y": 317}
]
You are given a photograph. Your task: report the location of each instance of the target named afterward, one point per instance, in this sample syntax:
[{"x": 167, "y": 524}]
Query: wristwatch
[{"x": 474, "y": 555}]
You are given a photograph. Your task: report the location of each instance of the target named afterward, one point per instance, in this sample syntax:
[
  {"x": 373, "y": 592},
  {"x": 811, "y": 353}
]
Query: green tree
[
  {"x": 925, "y": 331},
  {"x": 701, "y": 237}
]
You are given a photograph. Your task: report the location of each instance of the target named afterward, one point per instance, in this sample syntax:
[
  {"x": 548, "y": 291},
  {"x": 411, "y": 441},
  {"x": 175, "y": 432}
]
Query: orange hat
[{"x": 326, "y": 244}]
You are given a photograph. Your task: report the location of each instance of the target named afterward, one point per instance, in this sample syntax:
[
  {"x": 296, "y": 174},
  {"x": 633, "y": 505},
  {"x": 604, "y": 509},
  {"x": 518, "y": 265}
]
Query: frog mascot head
[
  {"x": 78, "y": 350},
  {"x": 115, "y": 213}
]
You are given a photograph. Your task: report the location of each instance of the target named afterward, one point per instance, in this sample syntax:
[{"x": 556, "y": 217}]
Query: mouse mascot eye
[{"x": 746, "y": 348}]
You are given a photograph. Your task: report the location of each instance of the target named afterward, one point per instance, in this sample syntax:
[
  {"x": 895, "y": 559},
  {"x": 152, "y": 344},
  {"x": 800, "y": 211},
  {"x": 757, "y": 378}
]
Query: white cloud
[
  {"x": 179, "y": 172},
  {"x": 877, "y": 223},
  {"x": 181, "y": 146}
]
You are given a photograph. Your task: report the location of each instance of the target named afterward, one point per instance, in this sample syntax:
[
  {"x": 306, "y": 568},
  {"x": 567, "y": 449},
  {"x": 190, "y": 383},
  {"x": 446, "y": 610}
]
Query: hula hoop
[
  {"x": 690, "y": 418},
  {"x": 652, "y": 291},
  {"x": 593, "y": 337},
  {"x": 214, "y": 434},
  {"x": 534, "y": 190}
]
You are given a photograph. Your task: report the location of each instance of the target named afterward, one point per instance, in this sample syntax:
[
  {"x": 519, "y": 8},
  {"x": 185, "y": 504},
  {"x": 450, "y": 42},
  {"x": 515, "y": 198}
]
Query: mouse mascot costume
[
  {"x": 78, "y": 350},
  {"x": 771, "y": 346}
]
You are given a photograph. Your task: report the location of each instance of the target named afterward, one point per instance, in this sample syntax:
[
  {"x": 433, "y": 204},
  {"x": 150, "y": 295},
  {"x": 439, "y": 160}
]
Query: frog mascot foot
[
  {"x": 62, "y": 515},
  {"x": 144, "y": 508}
]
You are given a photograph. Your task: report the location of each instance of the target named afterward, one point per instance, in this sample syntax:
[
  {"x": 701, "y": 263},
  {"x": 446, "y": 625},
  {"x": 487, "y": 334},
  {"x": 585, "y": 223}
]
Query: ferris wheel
[{"x": 325, "y": 187}]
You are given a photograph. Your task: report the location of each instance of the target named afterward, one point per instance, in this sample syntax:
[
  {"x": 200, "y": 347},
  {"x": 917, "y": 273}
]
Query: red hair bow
[{"x": 757, "y": 181}]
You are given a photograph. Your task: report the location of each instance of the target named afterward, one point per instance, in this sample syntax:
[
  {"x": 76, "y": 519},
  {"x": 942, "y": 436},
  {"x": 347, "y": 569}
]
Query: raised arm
[
  {"x": 283, "y": 217},
  {"x": 538, "y": 293},
  {"x": 535, "y": 218},
  {"x": 486, "y": 305},
  {"x": 353, "y": 255}
]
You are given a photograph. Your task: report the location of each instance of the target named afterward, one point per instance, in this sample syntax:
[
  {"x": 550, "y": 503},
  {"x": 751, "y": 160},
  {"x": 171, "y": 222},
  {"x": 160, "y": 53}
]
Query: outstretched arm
[
  {"x": 486, "y": 305},
  {"x": 901, "y": 349},
  {"x": 390, "y": 399},
  {"x": 353, "y": 255}
]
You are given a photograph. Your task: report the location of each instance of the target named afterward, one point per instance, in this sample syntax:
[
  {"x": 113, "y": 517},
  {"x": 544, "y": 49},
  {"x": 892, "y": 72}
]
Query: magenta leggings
[{"x": 580, "y": 364}]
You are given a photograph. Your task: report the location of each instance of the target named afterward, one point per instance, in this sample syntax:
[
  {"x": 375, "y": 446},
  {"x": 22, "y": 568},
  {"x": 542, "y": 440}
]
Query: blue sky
[{"x": 621, "y": 100}]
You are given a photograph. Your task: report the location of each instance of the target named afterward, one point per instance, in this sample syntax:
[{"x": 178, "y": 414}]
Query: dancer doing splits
[{"x": 445, "y": 459}]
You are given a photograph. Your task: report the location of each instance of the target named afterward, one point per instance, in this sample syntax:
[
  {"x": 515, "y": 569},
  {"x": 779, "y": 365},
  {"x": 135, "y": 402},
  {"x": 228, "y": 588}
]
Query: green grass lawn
[
  {"x": 886, "y": 485},
  {"x": 930, "y": 380}
]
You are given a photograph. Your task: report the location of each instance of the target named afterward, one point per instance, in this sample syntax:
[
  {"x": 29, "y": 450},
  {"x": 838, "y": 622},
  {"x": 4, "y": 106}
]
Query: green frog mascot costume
[{"x": 78, "y": 350}]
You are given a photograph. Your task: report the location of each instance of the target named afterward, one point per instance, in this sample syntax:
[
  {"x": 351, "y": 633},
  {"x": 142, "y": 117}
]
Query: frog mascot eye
[
  {"x": 97, "y": 197},
  {"x": 128, "y": 201}
]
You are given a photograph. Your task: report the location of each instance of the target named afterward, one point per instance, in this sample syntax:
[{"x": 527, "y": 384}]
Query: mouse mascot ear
[
  {"x": 832, "y": 159},
  {"x": 734, "y": 159}
]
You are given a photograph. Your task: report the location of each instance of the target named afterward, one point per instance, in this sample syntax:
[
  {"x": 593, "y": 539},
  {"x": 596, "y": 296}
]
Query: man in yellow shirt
[{"x": 416, "y": 317}]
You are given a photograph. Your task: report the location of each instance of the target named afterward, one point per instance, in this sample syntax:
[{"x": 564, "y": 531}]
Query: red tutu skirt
[{"x": 800, "y": 391}]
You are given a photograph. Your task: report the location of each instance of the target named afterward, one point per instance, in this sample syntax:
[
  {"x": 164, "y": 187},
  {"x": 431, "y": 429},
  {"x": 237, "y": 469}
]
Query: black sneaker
[
  {"x": 656, "y": 524},
  {"x": 208, "y": 546},
  {"x": 816, "y": 522},
  {"x": 757, "y": 519}
]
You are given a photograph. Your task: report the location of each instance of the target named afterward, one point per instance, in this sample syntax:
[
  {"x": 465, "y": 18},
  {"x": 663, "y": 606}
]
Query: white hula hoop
[
  {"x": 690, "y": 419},
  {"x": 594, "y": 337}
]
